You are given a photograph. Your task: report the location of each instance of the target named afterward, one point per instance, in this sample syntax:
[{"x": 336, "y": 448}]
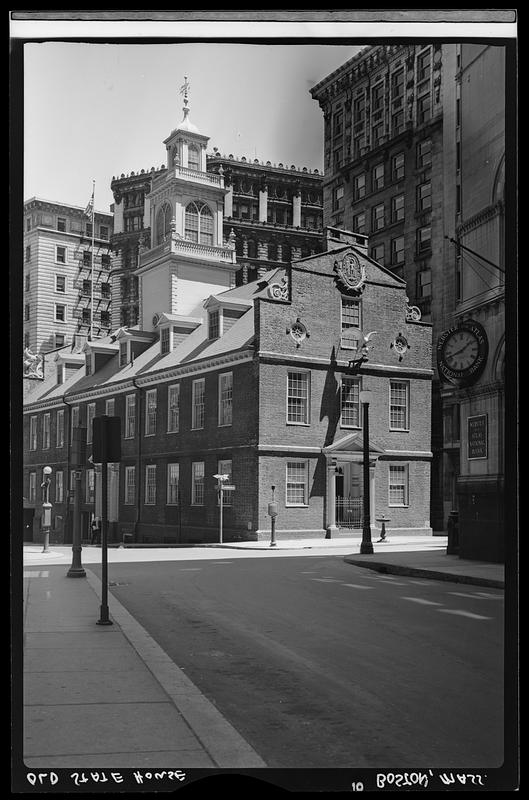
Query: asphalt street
[{"x": 319, "y": 663}]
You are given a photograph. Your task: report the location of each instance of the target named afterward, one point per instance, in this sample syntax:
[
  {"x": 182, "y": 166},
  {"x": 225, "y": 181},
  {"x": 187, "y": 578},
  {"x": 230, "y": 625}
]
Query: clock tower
[{"x": 188, "y": 260}]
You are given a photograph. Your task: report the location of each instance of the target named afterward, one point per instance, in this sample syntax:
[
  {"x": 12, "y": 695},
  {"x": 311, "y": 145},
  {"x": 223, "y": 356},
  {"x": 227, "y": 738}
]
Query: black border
[{"x": 311, "y": 780}]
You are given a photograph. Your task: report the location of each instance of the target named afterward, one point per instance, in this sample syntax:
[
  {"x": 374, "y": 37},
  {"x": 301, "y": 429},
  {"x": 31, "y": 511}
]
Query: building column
[
  {"x": 296, "y": 211},
  {"x": 331, "y": 500},
  {"x": 279, "y": 252},
  {"x": 245, "y": 247},
  {"x": 263, "y": 204},
  {"x": 228, "y": 202},
  {"x": 262, "y": 250}
]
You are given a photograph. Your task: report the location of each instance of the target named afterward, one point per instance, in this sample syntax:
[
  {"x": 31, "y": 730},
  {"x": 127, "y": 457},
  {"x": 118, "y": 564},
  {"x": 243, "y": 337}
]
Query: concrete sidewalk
[
  {"x": 433, "y": 564},
  {"x": 108, "y": 695}
]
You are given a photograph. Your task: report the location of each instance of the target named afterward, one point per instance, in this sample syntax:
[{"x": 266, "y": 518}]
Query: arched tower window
[
  {"x": 163, "y": 223},
  {"x": 199, "y": 223},
  {"x": 193, "y": 157}
]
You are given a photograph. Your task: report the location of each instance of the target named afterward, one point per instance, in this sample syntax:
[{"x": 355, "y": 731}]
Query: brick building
[{"x": 260, "y": 388}]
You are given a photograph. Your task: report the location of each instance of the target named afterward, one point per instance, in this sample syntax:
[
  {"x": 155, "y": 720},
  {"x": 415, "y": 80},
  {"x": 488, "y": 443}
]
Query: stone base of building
[{"x": 340, "y": 533}]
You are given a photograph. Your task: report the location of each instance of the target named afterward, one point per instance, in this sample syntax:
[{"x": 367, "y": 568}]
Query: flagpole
[{"x": 92, "y": 270}]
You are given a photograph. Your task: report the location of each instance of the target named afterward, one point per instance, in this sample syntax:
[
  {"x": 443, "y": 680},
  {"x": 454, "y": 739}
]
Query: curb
[
  {"x": 223, "y": 743},
  {"x": 417, "y": 572}
]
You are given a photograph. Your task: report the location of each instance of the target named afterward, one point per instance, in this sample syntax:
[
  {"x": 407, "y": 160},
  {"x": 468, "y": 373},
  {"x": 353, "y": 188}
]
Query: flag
[{"x": 90, "y": 207}]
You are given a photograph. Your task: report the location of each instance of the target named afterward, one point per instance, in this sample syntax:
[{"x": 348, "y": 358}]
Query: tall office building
[
  {"x": 64, "y": 275},
  {"x": 414, "y": 157}
]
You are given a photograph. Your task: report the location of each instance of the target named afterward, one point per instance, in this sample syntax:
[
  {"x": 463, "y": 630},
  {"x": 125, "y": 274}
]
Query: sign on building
[{"x": 477, "y": 436}]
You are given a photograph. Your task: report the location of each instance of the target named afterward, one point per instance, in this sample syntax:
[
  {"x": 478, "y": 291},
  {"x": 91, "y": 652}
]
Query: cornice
[
  {"x": 342, "y": 366},
  {"x": 482, "y": 217}
]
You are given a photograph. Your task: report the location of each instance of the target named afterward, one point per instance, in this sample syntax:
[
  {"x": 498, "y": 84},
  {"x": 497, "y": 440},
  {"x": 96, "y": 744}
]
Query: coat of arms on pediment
[{"x": 350, "y": 273}]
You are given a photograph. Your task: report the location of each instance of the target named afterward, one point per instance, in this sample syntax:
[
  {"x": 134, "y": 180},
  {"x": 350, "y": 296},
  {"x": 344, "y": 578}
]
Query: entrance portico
[{"x": 344, "y": 486}]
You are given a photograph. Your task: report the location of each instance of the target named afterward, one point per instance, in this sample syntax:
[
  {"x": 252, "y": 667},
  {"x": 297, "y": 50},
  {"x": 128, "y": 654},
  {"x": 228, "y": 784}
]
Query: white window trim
[
  {"x": 169, "y": 388},
  {"x": 59, "y": 484},
  {"x": 221, "y": 470},
  {"x": 75, "y": 416},
  {"x": 305, "y": 463},
  {"x": 55, "y": 318},
  {"x": 151, "y": 393},
  {"x": 199, "y": 505},
  {"x": 167, "y": 502},
  {"x": 127, "y": 417},
  {"x": 107, "y": 402},
  {"x": 193, "y": 405},
  {"x": 90, "y": 414},
  {"x": 309, "y": 404},
  {"x": 60, "y": 291},
  {"x": 408, "y": 413},
  {"x": 149, "y": 469},
  {"x": 126, "y": 501},
  {"x": 59, "y": 427},
  {"x": 62, "y": 247},
  {"x": 230, "y": 423},
  {"x": 32, "y": 486},
  {"x": 46, "y": 428},
  {"x": 33, "y": 432},
  {"x": 345, "y": 346},
  {"x": 406, "y": 504},
  {"x": 343, "y": 424}
]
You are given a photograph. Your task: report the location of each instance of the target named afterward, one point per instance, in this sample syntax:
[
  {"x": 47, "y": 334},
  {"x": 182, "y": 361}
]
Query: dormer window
[
  {"x": 165, "y": 340},
  {"x": 214, "y": 324},
  {"x": 123, "y": 354},
  {"x": 199, "y": 223}
]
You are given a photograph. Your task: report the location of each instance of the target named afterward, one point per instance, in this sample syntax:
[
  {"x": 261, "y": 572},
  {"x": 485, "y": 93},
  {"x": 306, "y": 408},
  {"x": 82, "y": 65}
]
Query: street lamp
[
  {"x": 221, "y": 479},
  {"x": 366, "y": 546},
  {"x": 46, "y": 509}
]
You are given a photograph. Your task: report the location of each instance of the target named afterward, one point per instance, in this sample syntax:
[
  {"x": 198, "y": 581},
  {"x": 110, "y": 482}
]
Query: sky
[{"x": 96, "y": 110}]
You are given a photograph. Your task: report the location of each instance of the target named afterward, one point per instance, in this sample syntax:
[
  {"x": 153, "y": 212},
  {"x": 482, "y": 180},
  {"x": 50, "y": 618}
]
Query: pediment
[{"x": 352, "y": 443}]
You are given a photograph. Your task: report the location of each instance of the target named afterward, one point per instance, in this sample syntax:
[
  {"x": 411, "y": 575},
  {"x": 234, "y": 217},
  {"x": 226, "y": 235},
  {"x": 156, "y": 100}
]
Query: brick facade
[{"x": 265, "y": 447}]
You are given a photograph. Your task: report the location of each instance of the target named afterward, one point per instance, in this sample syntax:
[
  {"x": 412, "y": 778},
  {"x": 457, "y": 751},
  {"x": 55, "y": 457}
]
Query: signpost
[{"x": 106, "y": 447}]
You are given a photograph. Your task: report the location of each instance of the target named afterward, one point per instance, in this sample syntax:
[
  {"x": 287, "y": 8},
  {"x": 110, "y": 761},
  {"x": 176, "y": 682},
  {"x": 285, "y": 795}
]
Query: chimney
[{"x": 336, "y": 238}]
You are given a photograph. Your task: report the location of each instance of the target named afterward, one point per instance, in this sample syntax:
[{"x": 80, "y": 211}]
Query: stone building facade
[
  {"x": 476, "y": 215},
  {"x": 58, "y": 275}
]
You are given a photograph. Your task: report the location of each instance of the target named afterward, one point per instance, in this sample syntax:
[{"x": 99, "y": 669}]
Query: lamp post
[
  {"x": 46, "y": 509},
  {"x": 221, "y": 479},
  {"x": 366, "y": 545}
]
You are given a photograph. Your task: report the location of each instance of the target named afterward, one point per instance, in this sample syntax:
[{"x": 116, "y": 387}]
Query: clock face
[
  {"x": 462, "y": 353},
  {"x": 461, "y": 350}
]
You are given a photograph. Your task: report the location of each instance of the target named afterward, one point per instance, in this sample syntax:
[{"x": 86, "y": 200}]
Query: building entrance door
[{"x": 349, "y": 495}]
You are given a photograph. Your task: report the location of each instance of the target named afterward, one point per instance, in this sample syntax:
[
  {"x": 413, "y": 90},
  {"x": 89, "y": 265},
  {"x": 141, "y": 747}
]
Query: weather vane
[{"x": 184, "y": 90}]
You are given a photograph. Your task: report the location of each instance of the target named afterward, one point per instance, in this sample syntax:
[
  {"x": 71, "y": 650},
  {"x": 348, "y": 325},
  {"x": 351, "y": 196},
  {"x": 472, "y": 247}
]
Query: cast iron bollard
[{"x": 452, "y": 528}]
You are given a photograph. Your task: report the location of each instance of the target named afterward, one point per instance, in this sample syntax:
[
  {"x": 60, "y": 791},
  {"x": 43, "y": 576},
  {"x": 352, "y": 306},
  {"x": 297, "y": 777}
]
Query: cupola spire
[{"x": 185, "y": 91}]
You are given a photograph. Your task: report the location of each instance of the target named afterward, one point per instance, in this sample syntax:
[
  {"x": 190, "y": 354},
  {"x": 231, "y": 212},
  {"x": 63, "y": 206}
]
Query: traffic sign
[{"x": 228, "y": 487}]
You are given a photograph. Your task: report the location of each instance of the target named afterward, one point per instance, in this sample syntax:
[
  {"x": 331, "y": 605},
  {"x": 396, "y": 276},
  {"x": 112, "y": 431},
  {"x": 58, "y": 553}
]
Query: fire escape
[{"x": 101, "y": 289}]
